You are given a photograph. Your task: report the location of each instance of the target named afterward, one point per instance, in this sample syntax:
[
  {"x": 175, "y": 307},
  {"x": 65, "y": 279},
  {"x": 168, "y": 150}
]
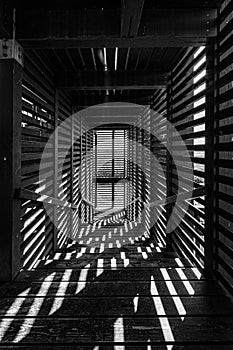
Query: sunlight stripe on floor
[
  {"x": 135, "y": 302},
  {"x": 63, "y": 285},
  {"x": 101, "y": 248},
  {"x": 92, "y": 250},
  {"x": 57, "y": 256},
  {"x": 100, "y": 267},
  {"x": 196, "y": 272},
  {"x": 113, "y": 264},
  {"x": 149, "y": 346},
  {"x": 82, "y": 279},
  {"x": 123, "y": 256},
  {"x": 176, "y": 299},
  {"x": 164, "y": 322},
  {"x": 28, "y": 323},
  {"x": 118, "y": 244},
  {"x": 68, "y": 256},
  {"x": 179, "y": 262},
  {"x": 12, "y": 312},
  {"x": 185, "y": 281},
  {"x": 119, "y": 336}
]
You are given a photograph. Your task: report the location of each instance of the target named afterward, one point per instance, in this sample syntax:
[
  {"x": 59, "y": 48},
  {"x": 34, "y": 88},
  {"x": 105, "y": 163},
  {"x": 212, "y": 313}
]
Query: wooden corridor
[
  {"x": 116, "y": 158},
  {"x": 130, "y": 297}
]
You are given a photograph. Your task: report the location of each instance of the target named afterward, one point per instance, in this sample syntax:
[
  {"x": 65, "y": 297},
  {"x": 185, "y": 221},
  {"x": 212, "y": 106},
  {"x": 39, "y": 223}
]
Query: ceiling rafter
[
  {"x": 127, "y": 58},
  {"x": 71, "y": 60},
  {"x": 84, "y": 100},
  {"x": 131, "y": 13},
  {"x": 93, "y": 57},
  {"x": 138, "y": 58},
  {"x": 81, "y": 57}
]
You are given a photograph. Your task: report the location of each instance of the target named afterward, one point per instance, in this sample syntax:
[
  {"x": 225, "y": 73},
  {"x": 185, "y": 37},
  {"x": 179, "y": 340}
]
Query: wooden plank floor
[{"x": 132, "y": 297}]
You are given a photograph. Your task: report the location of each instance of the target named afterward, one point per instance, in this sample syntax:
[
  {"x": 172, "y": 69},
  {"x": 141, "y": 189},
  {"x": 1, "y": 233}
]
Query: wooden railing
[{"x": 37, "y": 197}]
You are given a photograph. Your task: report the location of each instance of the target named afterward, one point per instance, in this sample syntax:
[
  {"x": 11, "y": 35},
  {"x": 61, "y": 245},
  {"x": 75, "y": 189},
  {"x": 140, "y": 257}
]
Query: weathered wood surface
[
  {"x": 107, "y": 263},
  {"x": 73, "y": 302},
  {"x": 93, "y": 307},
  {"x": 87, "y": 330},
  {"x": 105, "y": 289},
  {"x": 118, "y": 275}
]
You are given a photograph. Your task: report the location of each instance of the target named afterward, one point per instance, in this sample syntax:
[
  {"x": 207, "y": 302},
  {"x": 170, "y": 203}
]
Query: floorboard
[{"x": 132, "y": 298}]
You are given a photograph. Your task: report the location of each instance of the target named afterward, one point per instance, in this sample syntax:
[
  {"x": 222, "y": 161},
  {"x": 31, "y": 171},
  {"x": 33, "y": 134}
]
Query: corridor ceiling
[{"x": 112, "y": 50}]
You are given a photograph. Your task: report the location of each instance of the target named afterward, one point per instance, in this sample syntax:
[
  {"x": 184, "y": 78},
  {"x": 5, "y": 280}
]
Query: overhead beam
[
  {"x": 160, "y": 28},
  {"x": 112, "y": 42},
  {"x": 94, "y": 122},
  {"x": 112, "y": 113},
  {"x": 107, "y": 80},
  {"x": 114, "y": 109},
  {"x": 131, "y": 13},
  {"x": 139, "y": 97}
]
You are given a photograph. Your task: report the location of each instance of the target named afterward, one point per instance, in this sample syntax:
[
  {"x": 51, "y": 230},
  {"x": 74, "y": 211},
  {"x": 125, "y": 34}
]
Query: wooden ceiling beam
[
  {"x": 160, "y": 28},
  {"x": 138, "y": 97},
  {"x": 112, "y": 42},
  {"x": 107, "y": 80}
]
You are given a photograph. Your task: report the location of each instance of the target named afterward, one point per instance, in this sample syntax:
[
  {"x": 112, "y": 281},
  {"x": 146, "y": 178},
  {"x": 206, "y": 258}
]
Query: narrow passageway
[{"x": 116, "y": 168}]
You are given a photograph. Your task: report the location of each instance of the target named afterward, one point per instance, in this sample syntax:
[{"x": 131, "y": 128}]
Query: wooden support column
[
  {"x": 72, "y": 169},
  {"x": 210, "y": 160},
  {"x": 55, "y": 168},
  {"x": 10, "y": 165},
  {"x": 169, "y": 166},
  {"x": 113, "y": 166},
  {"x": 81, "y": 170}
]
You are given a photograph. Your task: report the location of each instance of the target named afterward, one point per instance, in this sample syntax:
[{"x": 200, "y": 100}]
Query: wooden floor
[{"x": 132, "y": 297}]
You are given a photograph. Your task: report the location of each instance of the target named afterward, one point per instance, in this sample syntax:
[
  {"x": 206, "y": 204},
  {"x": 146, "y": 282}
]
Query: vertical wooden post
[
  {"x": 10, "y": 165},
  {"x": 55, "y": 168},
  {"x": 169, "y": 165},
  {"x": 85, "y": 176},
  {"x": 81, "y": 170},
  {"x": 113, "y": 166},
  {"x": 210, "y": 160},
  {"x": 71, "y": 169}
]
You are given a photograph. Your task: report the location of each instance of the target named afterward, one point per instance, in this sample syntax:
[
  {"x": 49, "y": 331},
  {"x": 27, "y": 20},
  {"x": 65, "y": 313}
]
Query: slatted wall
[
  {"x": 139, "y": 171},
  {"x": 64, "y": 171},
  {"x": 158, "y": 174},
  {"x": 76, "y": 180},
  {"x": 224, "y": 149},
  {"x": 41, "y": 105},
  {"x": 135, "y": 175},
  {"x": 146, "y": 159},
  {"x": 129, "y": 211},
  {"x": 86, "y": 171},
  {"x": 138, "y": 174},
  {"x": 187, "y": 114}
]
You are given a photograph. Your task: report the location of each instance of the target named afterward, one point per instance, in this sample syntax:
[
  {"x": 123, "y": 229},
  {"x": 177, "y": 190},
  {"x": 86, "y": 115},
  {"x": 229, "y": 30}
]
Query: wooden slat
[
  {"x": 111, "y": 288},
  {"x": 77, "y": 330},
  {"x": 213, "y": 306}
]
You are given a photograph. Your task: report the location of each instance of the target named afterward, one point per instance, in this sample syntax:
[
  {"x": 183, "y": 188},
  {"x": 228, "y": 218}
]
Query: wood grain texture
[{"x": 78, "y": 300}]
